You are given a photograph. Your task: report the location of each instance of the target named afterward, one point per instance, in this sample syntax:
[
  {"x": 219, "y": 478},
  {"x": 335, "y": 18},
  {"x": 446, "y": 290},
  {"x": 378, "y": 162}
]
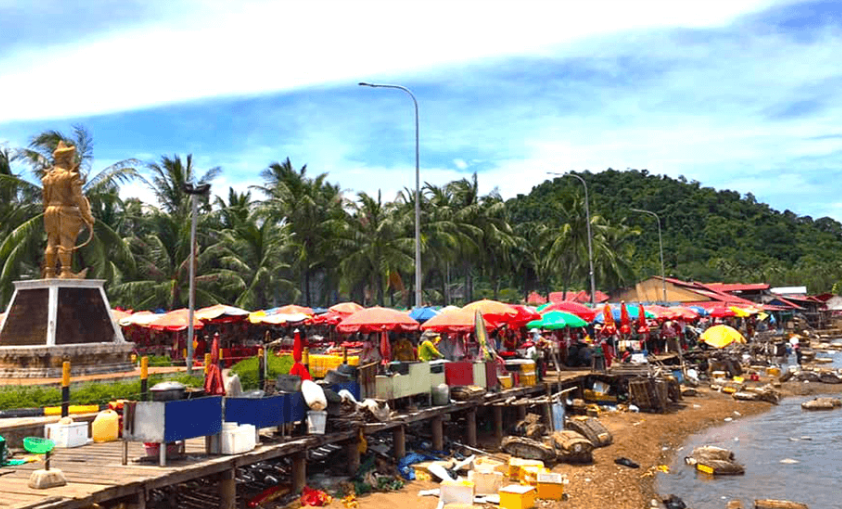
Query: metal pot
[{"x": 168, "y": 391}]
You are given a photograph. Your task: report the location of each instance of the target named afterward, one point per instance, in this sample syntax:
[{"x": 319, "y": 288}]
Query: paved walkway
[{"x": 109, "y": 377}]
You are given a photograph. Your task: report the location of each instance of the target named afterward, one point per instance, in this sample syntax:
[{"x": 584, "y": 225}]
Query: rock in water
[{"x": 778, "y": 504}]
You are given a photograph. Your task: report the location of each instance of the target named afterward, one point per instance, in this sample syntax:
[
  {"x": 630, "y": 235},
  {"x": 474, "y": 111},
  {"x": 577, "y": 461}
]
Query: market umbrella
[
  {"x": 720, "y": 336},
  {"x": 116, "y": 315},
  {"x": 662, "y": 312},
  {"x": 625, "y": 321},
  {"x": 423, "y": 314},
  {"x": 494, "y": 312},
  {"x": 721, "y": 312},
  {"x": 177, "y": 320},
  {"x": 345, "y": 308},
  {"x": 220, "y": 311},
  {"x": 554, "y": 320},
  {"x": 293, "y": 309},
  {"x": 281, "y": 318},
  {"x": 525, "y": 314},
  {"x": 642, "y": 326},
  {"x": 482, "y": 336},
  {"x": 452, "y": 321},
  {"x": 699, "y": 309},
  {"x": 213, "y": 380},
  {"x": 583, "y": 312},
  {"x": 681, "y": 312},
  {"x": 376, "y": 319},
  {"x": 298, "y": 369},
  {"x": 743, "y": 312},
  {"x": 385, "y": 348},
  {"x": 142, "y": 318},
  {"x": 449, "y": 308}
]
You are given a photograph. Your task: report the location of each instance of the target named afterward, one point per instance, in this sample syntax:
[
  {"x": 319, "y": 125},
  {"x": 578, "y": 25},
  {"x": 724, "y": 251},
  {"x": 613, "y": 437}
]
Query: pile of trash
[{"x": 715, "y": 461}]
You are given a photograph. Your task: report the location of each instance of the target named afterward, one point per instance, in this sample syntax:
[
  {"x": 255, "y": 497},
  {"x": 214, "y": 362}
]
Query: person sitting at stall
[
  {"x": 403, "y": 350},
  {"x": 427, "y": 351}
]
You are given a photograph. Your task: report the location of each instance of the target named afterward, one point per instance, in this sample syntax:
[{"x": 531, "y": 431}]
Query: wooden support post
[
  {"x": 138, "y": 501},
  {"x": 521, "y": 412},
  {"x": 228, "y": 489},
  {"x": 65, "y": 388},
  {"x": 144, "y": 378},
  {"x": 125, "y": 458},
  {"x": 498, "y": 423},
  {"x": 299, "y": 471},
  {"x": 438, "y": 433},
  {"x": 261, "y": 370},
  {"x": 399, "y": 439},
  {"x": 472, "y": 427},
  {"x": 352, "y": 450}
]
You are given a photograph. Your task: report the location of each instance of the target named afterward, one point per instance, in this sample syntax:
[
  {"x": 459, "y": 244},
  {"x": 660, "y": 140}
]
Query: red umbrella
[
  {"x": 298, "y": 369},
  {"x": 177, "y": 320},
  {"x": 345, "y": 308},
  {"x": 452, "y": 321},
  {"x": 721, "y": 312},
  {"x": 377, "y": 319},
  {"x": 625, "y": 321},
  {"x": 684, "y": 313},
  {"x": 213, "y": 380},
  {"x": 642, "y": 327},
  {"x": 583, "y": 312},
  {"x": 525, "y": 314},
  {"x": 329, "y": 318},
  {"x": 385, "y": 348}
]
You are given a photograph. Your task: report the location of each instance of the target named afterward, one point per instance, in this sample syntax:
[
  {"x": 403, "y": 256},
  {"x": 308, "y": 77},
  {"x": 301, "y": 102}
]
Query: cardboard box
[{"x": 456, "y": 492}]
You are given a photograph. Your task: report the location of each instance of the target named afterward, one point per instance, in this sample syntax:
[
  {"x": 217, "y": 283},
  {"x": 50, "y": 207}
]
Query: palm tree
[
  {"x": 377, "y": 247},
  {"x": 313, "y": 209},
  {"x": 169, "y": 177}
]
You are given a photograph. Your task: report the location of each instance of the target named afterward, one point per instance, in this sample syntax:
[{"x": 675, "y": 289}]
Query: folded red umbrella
[
  {"x": 299, "y": 369},
  {"x": 214, "y": 385},
  {"x": 385, "y": 348}
]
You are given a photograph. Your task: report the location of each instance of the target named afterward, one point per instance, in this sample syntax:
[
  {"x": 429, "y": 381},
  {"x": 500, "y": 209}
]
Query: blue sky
[{"x": 740, "y": 94}]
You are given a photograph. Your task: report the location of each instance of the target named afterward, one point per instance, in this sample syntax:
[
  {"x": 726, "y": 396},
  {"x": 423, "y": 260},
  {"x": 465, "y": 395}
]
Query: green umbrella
[
  {"x": 557, "y": 320},
  {"x": 543, "y": 307}
]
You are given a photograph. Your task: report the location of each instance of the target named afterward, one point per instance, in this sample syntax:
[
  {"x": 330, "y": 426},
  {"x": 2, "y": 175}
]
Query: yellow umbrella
[
  {"x": 720, "y": 336},
  {"x": 741, "y": 312},
  {"x": 257, "y": 316}
]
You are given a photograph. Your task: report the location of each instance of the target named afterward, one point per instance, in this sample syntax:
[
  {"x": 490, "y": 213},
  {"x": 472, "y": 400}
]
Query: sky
[{"x": 737, "y": 94}]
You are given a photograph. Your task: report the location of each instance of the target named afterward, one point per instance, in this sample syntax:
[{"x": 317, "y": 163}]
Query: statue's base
[
  {"x": 50, "y": 321},
  {"x": 43, "y": 479},
  {"x": 46, "y": 361}
]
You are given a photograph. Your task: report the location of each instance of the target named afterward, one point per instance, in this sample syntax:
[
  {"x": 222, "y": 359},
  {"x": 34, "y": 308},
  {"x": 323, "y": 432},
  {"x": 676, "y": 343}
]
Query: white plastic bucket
[{"x": 316, "y": 422}]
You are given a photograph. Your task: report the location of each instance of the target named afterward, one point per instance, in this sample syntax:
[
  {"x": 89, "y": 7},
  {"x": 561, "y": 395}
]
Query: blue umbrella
[
  {"x": 699, "y": 309},
  {"x": 421, "y": 315},
  {"x": 319, "y": 311}
]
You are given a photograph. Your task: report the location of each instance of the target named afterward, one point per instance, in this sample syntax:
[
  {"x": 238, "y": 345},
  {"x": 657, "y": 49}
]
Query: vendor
[
  {"x": 427, "y": 351},
  {"x": 403, "y": 350}
]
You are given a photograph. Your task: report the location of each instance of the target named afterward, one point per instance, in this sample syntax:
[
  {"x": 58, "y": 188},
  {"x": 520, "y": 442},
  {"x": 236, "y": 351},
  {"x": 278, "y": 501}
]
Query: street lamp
[
  {"x": 661, "y": 245},
  {"x": 588, "y": 219},
  {"x": 417, "y": 192},
  {"x": 194, "y": 192}
]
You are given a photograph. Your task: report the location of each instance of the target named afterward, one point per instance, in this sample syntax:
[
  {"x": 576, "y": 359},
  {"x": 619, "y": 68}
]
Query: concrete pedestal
[{"x": 53, "y": 320}]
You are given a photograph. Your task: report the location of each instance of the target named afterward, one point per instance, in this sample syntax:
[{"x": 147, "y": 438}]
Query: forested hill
[{"x": 708, "y": 235}]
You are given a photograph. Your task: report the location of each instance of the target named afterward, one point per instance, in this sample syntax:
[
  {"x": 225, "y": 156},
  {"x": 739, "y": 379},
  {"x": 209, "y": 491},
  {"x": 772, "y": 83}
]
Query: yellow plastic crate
[
  {"x": 529, "y": 474},
  {"x": 506, "y": 381},
  {"x": 517, "y": 497},
  {"x": 528, "y": 380},
  {"x": 515, "y": 464}
]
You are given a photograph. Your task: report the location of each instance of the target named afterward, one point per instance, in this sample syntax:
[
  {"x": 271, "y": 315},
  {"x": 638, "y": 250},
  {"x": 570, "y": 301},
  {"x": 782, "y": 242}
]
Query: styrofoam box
[
  {"x": 239, "y": 440},
  {"x": 456, "y": 492},
  {"x": 486, "y": 482},
  {"x": 67, "y": 435}
]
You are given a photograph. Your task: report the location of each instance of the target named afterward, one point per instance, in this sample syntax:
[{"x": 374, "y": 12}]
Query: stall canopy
[
  {"x": 524, "y": 315},
  {"x": 721, "y": 312},
  {"x": 277, "y": 318},
  {"x": 345, "y": 308},
  {"x": 451, "y": 321},
  {"x": 699, "y": 309},
  {"x": 720, "y": 336},
  {"x": 177, "y": 320},
  {"x": 554, "y": 320},
  {"x": 421, "y": 315},
  {"x": 681, "y": 312},
  {"x": 293, "y": 309},
  {"x": 583, "y": 312},
  {"x": 142, "y": 318},
  {"x": 116, "y": 315},
  {"x": 494, "y": 312},
  {"x": 743, "y": 312},
  {"x": 377, "y": 319},
  {"x": 220, "y": 312}
]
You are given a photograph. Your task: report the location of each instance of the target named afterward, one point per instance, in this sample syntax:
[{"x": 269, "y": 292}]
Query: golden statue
[{"x": 65, "y": 211}]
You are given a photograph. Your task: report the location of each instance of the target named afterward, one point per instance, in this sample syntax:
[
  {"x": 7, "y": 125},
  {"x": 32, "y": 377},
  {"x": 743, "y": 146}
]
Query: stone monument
[{"x": 63, "y": 316}]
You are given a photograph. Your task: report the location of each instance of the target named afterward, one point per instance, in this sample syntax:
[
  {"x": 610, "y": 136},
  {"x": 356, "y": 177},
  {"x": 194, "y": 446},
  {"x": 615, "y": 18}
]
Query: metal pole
[
  {"x": 590, "y": 236},
  {"x": 418, "y": 289},
  {"x": 661, "y": 247},
  {"x": 192, "y": 296}
]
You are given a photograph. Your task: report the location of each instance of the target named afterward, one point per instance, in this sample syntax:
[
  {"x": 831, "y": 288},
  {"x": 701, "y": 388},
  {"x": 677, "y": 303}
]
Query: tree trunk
[{"x": 307, "y": 287}]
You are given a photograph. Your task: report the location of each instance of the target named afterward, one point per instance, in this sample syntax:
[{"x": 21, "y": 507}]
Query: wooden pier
[{"x": 96, "y": 475}]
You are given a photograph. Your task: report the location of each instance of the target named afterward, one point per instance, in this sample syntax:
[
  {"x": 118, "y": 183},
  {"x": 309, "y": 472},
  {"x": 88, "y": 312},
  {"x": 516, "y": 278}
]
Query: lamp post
[
  {"x": 194, "y": 192},
  {"x": 590, "y": 241},
  {"x": 417, "y": 191},
  {"x": 661, "y": 245}
]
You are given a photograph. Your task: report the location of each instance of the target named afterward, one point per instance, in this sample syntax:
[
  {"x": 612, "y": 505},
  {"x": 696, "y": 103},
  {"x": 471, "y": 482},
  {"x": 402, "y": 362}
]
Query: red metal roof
[
  {"x": 580, "y": 297},
  {"x": 737, "y": 287}
]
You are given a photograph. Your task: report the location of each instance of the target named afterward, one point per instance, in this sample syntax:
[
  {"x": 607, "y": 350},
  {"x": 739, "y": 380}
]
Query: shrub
[{"x": 247, "y": 369}]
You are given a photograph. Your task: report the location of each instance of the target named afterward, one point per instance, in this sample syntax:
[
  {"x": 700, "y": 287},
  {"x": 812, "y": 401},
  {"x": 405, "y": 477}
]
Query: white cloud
[
  {"x": 234, "y": 48},
  {"x": 460, "y": 164}
]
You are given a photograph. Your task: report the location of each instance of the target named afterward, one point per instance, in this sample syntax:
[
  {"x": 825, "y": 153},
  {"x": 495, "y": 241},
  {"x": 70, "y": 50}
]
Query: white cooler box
[{"x": 67, "y": 435}]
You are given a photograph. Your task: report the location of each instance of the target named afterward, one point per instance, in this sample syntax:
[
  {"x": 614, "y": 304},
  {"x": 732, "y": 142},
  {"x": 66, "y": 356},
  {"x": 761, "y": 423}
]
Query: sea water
[{"x": 813, "y": 439}]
